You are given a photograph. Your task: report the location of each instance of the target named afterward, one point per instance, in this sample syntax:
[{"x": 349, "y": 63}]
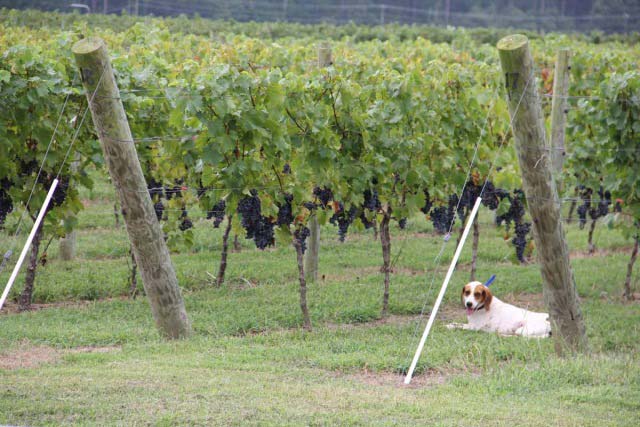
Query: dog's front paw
[{"x": 455, "y": 326}]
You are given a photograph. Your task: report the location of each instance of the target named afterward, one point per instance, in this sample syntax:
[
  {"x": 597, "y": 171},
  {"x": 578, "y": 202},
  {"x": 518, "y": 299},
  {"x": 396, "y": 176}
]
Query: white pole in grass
[
  {"x": 27, "y": 245},
  {"x": 432, "y": 317}
]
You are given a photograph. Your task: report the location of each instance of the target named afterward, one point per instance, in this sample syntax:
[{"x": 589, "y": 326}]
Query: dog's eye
[{"x": 467, "y": 293}]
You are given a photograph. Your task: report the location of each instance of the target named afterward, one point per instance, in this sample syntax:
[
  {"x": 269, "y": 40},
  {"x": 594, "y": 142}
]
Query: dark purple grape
[
  {"x": 158, "y": 207},
  {"x": 371, "y": 201},
  {"x": 258, "y": 227},
  {"x": 343, "y": 219},
  {"x": 217, "y": 213},
  {"x": 301, "y": 235},
  {"x": 285, "y": 213},
  {"x": 186, "y": 222},
  {"x": 324, "y": 194},
  {"x": 520, "y": 239},
  {"x": 6, "y": 204}
]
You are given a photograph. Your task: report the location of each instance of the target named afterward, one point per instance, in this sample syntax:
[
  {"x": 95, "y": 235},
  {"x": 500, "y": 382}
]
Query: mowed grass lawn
[{"x": 89, "y": 355}]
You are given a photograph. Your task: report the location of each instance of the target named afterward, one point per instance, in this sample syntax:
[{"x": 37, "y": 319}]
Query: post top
[
  {"x": 88, "y": 45},
  {"x": 512, "y": 42}
]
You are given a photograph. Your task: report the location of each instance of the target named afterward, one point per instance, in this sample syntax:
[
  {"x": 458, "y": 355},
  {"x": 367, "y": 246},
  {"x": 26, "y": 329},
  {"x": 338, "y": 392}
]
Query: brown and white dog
[{"x": 487, "y": 313}]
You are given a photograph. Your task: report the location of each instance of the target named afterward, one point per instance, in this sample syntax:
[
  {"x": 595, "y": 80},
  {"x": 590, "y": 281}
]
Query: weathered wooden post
[
  {"x": 559, "y": 286},
  {"x": 151, "y": 253},
  {"x": 68, "y": 246},
  {"x": 312, "y": 254},
  {"x": 68, "y": 243},
  {"x": 559, "y": 109},
  {"x": 324, "y": 55}
]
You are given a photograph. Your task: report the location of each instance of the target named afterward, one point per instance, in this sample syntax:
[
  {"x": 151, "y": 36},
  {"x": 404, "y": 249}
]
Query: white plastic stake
[
  {"x": 27, "y": 245},
  {"x": 432, "y": 317}
]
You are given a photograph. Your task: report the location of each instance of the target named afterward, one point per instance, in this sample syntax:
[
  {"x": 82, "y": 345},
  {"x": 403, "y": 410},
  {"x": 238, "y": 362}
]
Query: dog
[{"x": 487, "y": 313}]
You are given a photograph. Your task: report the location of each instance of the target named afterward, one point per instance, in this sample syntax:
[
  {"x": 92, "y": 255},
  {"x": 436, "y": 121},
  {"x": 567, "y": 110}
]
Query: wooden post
[
  {"x": 145, "y": 234},
  {"x": 68, "y": 246},
  {"x": 306, "y": 319},
  {"x": 474, "y": 250},
  {"x": 312, "y": 254},
  {"x": 559, "y": 288},
  {"x": 385, "y": 240},
  {"x": 559, "y": 110},
  {"x": 68, "y": 242},
  {"x": 628, "y": 295},
  {"x": 324, "y": 55}
]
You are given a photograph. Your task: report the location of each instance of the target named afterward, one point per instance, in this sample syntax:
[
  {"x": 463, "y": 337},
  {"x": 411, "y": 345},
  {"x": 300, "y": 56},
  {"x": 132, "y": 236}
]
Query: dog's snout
[{"x": 469, "y": 304}]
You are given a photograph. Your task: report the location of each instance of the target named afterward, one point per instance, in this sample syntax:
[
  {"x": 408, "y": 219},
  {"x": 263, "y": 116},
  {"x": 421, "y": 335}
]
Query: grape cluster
[
  {"x": 250, "y": 211},
  {"x": 186, "y": 223},
  {"x": 217, "y": 213},
  {"x": 492, "y": 196},
  {"x": 343, "y": 218},
  {"x": 440, "y": 219},
  {"x": 588, "y": 206},
  {"x": 515, "y": 214},
  {"x": 285, "y": 213},
  {"x": 585, "y": 207},
  {"x": 324, "y": 195},
  {"x": 372, "y": 204},
  {"x": 258, "y": 227},
  {"x": 520, "y": 239},
  {"x": 371, "y": 201},
  {"x": 516, "y": 210},
  {"x": 155, "y": 188},
  {"x": 467, "y": 200},
  {"x": 301, "y": 235},
  {"x": 428, "y": 203},
  {"x": 286, "y": 169},
  {"x": 156, "y": 192},
  {"x": 602, "y": 208},
  {"x": 175, "y": 191},
  {"x": 365, "y": 221},
  {"x": 60, "y": 193},
  {"x": 443, "y": 217},
  {"x": 158, "y": 207},
  {"x": 6, "y": 204},
  {"x": 28, "y": 168},
  {"x": 402, "y": 223},
  {"x": 263, "y": 236}
]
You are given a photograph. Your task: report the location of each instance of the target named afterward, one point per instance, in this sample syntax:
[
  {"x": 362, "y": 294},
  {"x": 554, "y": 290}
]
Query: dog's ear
[
  {"x": 488, "y": 297},
  {"x": 464, "y": 288}
]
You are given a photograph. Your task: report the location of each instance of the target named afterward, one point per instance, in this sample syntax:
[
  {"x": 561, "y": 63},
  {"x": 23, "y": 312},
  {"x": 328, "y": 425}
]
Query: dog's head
[{"x": 476, "y": 296}]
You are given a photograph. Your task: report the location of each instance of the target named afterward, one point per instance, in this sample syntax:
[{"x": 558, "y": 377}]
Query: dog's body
[{"x": 487, "y": 313}]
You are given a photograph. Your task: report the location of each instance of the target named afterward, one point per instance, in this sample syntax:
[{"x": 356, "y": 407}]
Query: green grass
[{"x": 249, "y": 363}]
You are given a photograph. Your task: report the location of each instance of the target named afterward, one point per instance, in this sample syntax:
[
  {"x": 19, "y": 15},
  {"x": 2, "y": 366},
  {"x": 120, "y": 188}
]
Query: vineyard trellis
[{"x": 253, "y": 115}]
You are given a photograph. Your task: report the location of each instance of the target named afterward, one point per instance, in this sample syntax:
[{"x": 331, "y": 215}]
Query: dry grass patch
[
  {"x": 430, "y": 378},
  {"x": 28, "y": 356}
]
